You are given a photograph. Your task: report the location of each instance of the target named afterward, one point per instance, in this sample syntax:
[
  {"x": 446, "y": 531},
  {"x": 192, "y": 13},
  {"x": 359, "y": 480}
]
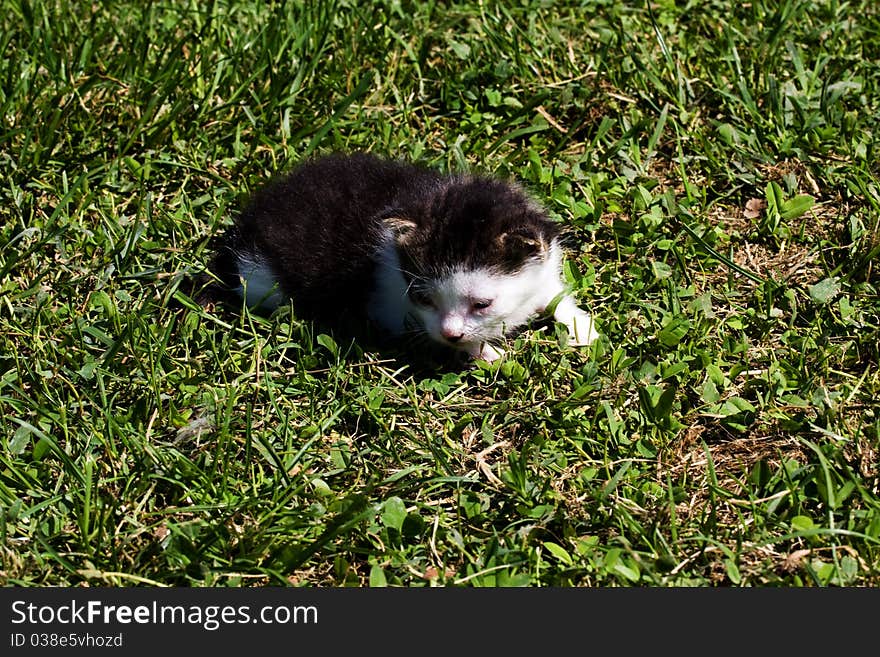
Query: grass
[{"x": 714, "y": 166}]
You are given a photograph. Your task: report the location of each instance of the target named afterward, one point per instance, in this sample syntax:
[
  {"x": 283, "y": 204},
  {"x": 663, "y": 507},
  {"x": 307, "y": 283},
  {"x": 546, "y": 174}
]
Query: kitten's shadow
[{"x": 419, "y": 355}]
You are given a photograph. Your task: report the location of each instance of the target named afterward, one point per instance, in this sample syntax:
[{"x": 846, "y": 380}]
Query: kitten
[{"x": 463, "y": 259}]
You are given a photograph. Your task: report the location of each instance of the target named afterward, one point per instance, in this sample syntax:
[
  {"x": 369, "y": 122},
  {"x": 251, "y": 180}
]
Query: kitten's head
[{"x": 475, "y": 254}]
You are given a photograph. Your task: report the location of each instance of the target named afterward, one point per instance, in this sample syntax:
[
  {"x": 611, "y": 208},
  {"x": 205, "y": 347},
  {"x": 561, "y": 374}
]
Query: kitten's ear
[
  {"x": 522, "y": 244},
  {"x": 400, "y": 226}
]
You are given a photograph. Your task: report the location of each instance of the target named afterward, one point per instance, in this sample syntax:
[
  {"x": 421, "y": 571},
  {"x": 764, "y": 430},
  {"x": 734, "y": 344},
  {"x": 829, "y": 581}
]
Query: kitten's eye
[
  {"x": 421, "y": 298},
  {"x": 482, "y": 304}
]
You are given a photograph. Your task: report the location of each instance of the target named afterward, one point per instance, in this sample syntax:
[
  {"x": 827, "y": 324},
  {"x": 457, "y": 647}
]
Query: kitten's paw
[
  {"x": 486, "y": 352},
  {"x": 581, "y": 329}
]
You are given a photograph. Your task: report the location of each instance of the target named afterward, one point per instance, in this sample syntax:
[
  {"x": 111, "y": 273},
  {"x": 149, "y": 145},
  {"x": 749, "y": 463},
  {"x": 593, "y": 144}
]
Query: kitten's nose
[{"x": 451, "y": 327}]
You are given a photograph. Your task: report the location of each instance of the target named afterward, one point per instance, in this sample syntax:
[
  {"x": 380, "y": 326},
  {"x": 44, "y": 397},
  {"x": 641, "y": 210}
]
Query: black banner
[{"x": 397, "y": 621}]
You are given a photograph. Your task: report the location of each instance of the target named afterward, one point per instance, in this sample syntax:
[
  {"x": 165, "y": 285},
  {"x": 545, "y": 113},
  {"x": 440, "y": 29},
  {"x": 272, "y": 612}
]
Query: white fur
[
  {"x": 515, "y": 299},
  {"x": 259, "y": 285},
  {"x": 389, "y": 305},
  {"x": 579, "y": 322}
]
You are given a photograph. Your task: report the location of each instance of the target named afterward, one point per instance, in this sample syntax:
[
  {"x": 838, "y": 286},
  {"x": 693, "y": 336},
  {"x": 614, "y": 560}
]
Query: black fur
[{"x": 319, "y": 228}]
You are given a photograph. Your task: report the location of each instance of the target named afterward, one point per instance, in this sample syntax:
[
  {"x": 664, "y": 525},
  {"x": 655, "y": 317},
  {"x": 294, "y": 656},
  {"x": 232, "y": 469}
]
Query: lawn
[{"x": 713, "y": 164}]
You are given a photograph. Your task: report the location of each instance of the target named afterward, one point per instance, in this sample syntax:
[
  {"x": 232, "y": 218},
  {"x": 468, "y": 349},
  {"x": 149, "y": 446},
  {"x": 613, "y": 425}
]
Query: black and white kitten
[{"x": 464, "y": 259}]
